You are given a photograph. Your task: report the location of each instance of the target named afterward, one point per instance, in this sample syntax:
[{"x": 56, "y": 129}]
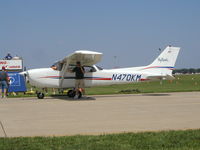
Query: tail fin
[{"x": 165, "y": 62}]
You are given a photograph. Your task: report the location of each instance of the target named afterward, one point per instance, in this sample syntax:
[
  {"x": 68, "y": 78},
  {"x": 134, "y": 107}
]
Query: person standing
[
  {"x": 4, "y": 82},
  {"x": 79, "y": 78},
  {"x": 8, "y": 57}
]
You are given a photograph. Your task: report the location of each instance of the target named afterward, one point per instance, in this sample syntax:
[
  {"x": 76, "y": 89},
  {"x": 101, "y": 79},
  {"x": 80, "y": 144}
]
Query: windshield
[
  {"x": 57, "y": 66},
  {"x": 99, "y": 68}
]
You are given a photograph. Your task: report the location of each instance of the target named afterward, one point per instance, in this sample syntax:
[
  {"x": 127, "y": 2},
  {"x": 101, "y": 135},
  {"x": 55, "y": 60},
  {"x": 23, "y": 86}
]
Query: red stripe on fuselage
[
  {"x": 99, "y": 79},
  {"x": 51, "y": 77},
  {"x": 85, "y": 78},
  {"x": 144, "y": 79},
  {"x": 155, "y": 67}
]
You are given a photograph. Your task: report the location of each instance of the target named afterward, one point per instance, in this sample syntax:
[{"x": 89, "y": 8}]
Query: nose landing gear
[{"x": 40, "y": 95}]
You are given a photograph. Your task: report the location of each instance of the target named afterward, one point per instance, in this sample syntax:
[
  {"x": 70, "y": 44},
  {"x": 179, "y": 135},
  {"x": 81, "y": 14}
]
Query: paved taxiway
[{"x": 100, "y": 114}]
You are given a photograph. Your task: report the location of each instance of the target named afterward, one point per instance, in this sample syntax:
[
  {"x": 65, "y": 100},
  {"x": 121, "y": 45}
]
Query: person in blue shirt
[
  {"x": 4, "y": 82},
  {"x": 8, "y": 57}
]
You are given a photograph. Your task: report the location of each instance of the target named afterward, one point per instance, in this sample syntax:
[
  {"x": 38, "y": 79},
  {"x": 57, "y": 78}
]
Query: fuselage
[
  {"x": 48, "y": 77},
  {"x": 60, "y": 76}
]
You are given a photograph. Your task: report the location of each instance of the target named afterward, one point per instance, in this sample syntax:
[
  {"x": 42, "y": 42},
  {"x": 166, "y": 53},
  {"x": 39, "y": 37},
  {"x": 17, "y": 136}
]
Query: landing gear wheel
[
  {"x": 40, "y": 95},
  {"x": 71, "y": 93}
]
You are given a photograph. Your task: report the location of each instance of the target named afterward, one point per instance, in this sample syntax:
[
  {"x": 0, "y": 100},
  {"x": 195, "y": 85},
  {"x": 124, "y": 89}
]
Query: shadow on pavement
[
  {"x": 72, "y": 99},
  {"x": 156, "y": 94}
]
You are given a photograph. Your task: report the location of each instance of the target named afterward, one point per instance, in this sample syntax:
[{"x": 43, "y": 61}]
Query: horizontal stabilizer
[{"x": 161, "y": 77}]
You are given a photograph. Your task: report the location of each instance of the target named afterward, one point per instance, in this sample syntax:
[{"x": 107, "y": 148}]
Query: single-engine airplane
[{"x": 59, "y": 76}]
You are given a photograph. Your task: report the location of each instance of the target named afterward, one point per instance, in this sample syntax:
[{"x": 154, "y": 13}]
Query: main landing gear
[{"x": 72, "y": 93}]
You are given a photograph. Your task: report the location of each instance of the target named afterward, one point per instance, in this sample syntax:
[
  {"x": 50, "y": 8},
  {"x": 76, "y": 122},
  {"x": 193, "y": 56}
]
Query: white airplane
[{"x": 58, "y": 75}]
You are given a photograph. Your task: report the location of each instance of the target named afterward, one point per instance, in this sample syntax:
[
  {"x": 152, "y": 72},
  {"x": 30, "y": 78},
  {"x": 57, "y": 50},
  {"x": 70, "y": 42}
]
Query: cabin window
[
  {"x": 89, "y": 69},
  {"x": 71, "y": 67}
]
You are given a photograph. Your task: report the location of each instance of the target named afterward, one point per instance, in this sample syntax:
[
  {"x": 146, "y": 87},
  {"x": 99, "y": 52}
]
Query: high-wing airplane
[{"x": 58, "y": 75}]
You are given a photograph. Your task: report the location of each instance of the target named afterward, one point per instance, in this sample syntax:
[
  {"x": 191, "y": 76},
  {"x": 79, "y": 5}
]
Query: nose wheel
[{"x": 40, "y": 95}]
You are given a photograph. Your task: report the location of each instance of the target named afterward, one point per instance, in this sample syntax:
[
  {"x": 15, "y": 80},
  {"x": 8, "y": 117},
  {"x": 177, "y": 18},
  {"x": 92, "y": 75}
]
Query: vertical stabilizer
[{"x": 165, "y": 62}]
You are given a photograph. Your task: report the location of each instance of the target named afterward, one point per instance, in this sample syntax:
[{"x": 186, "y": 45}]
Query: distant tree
[
  {"x": 198, "y": 70},
  {"x": 186, "y": 70},
  {"x": 191, "y": 70}
]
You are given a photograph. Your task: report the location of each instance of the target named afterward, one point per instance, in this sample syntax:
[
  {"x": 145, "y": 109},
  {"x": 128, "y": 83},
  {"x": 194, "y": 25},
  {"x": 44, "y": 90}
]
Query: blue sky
[{"x": 43, "y": 31}]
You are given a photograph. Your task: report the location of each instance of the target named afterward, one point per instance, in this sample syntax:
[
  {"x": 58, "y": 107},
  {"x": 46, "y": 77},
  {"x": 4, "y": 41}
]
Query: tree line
[{"x": 187, "y": 71}]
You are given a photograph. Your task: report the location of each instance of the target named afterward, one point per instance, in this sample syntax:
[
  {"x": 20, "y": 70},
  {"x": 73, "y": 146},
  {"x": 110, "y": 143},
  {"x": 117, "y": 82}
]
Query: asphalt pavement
[{"x": 59, "y": 116}]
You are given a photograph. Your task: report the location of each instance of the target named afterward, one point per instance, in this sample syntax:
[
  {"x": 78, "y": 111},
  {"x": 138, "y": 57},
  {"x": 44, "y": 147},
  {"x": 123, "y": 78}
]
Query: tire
[
  {"x": 71, "y": 93},
  {"x": 79, "y": 94},
  {"x": 40, "y": 95}
]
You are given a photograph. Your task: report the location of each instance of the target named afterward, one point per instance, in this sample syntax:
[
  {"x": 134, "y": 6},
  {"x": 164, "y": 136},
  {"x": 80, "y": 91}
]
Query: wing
[{"x": 86, "y": 58}]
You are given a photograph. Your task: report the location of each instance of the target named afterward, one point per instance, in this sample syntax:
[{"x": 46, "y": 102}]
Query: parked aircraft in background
[{"x": 58, "y": 75}]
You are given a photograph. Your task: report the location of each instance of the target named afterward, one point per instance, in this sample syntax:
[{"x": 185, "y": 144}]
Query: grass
[
  {"x": 165, "y": 140},
  {"x": 182, "y": 83}
]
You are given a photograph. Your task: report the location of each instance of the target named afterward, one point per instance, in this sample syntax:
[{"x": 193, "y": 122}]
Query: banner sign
[
  {"x": 11, "y": 64},
  {"x": 17, "y": 82}
]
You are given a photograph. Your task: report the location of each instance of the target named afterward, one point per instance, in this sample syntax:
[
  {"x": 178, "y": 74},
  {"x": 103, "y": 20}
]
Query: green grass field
[
  {"x": 165, "y": 140},
  {"x": 182, "y": 83}
]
